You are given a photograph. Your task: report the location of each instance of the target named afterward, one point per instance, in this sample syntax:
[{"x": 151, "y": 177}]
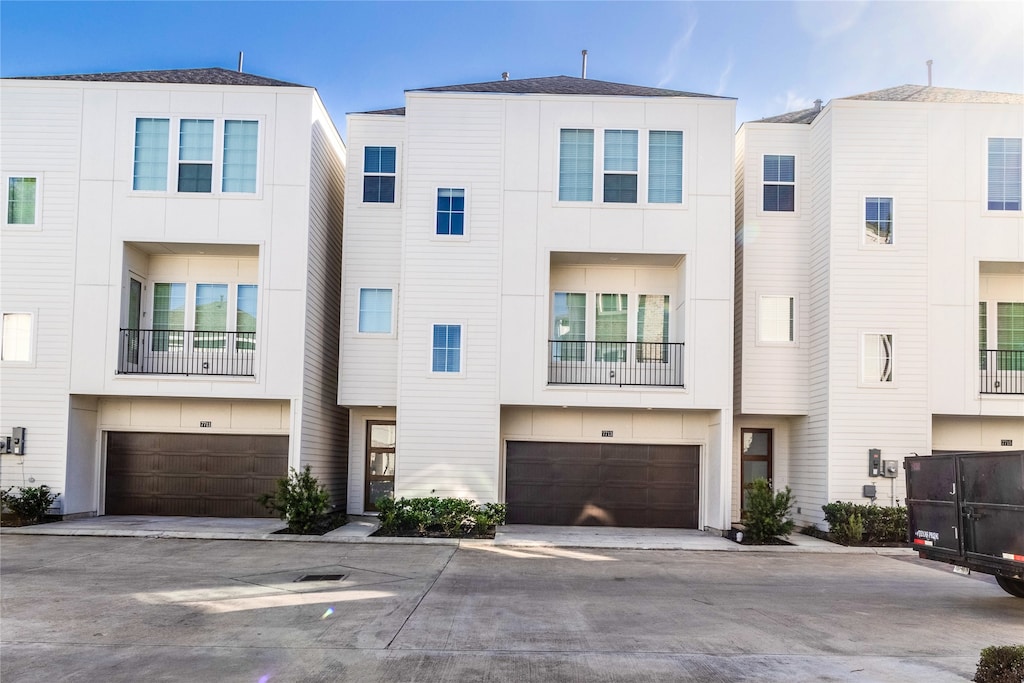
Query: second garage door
[
  {"x": 629, "y": 485},
  {"x": 195, "y": 475}
]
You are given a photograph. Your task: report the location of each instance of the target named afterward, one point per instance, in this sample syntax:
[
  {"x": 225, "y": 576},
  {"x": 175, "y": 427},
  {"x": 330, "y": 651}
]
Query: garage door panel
[
  {"x": 215, "y": 475},
  {"x": 602, "y": 484}
]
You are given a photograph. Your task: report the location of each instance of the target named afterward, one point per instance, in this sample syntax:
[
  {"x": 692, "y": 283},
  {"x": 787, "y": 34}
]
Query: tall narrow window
[
  {"x": 878, "y": 220},
  {"x": 652, "y": 328},
  {"x": 168, "y": 316},
  {"x": 1004, "y": 174},
  {"x": 611, "y": 327},
  {"x": 775, "y": 319},
  {"x": 665, "y": 167},
  {"x": 379, "y": 165},
  {"x": 779, "y": 182},
  {"x": 878, "y": 358},
  {"x": 1010, "y": 335},
  {"x": 576, "y": 165},
  {"x": 17, "y": 337},
  {"x": 620, "y": 166},
  {"x": 451, "y": 211},
  {"x": 151, "y": 140},
  {"x": 375, "y": 311},
  {"x": 569, "y": 327},
  {"x": 22, "y": 201},
  {"x": 241, "y": 144},
  {"x": 447, "y": 348},
  {"x": 211, "y": 316},
  {"x": 245, "y": 318},
  {"x": 195, "y": 155},
  {"x": 983, "y": 334}
]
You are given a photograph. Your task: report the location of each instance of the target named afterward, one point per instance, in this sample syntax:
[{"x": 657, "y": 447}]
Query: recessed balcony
[
  {"x": 186, "y": 352},
  {"x": 1002, "y": 371},
  {"x": 628, "y": 363}
]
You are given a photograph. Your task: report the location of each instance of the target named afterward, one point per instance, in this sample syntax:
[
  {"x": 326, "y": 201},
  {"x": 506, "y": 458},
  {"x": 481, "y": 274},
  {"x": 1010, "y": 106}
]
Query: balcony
[
  {"x": 186, "y": 352},
  {"x": 648, "y": 364},
  {"x": 1002, "y": 372}
]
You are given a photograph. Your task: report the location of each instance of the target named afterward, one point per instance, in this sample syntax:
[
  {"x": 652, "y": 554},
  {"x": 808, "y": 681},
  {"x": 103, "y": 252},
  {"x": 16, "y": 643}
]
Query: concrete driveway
[{"x": 130, "y": 609}]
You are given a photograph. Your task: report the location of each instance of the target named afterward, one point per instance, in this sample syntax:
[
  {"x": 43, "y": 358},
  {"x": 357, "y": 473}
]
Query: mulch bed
[
  {"x": 433, "y": 534},
  {"x": 327, "y": 523},
  {"x": 826, "y": 536}
]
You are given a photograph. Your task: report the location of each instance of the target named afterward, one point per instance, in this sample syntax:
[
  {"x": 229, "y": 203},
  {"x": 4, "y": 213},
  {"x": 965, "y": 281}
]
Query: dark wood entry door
[
  {"x": 589, "y": 484},
  {"x": 755, "y": 460},
  {"x": 195, "y": 475}
]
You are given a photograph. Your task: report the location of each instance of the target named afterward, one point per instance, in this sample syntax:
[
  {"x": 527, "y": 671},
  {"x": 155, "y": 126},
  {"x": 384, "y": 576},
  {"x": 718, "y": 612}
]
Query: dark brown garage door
[
  {"x": 196, "y": 475},
  {"x": 578, "y": 484}
]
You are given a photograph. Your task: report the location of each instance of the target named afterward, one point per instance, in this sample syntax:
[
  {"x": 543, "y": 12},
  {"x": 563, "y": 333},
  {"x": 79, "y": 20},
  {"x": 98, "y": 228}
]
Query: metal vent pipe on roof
[
  {"x": 817, "y": 105},
  {"x": 504, "y": 75},
  {"x": 929, "y": 63},
  {"x": 240, "y": 55},
  {"x": 584, "y": 64}
]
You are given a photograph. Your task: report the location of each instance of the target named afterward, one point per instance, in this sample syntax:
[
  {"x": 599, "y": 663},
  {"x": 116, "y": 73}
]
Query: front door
[
  {"x": 134, "y": 319},
  {"x": 380, "y": 462},
  {"x": 755, "y": 459}
]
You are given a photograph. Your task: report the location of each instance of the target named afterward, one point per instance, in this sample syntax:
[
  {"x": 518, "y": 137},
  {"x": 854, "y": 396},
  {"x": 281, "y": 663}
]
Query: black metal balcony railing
[
  {"x": 1002, "y": 372},
  {"x": 186, "y": 352},
  {"x": 653, "y": 364}
]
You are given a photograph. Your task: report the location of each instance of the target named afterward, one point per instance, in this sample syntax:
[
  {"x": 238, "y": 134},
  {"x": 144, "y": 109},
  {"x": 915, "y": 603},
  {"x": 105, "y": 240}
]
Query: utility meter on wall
[{"x": 890, "y": 468}]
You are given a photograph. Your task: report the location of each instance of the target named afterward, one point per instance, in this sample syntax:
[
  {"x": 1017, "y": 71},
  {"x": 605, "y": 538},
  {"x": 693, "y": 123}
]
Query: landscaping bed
[
  {"x": 438, "y": 518},
  {"x": 321, "y": 526}
]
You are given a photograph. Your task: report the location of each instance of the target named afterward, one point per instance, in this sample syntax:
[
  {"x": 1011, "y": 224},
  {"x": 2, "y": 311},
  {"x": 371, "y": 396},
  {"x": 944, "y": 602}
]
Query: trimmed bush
[
  {"x": 1001, "y": 664},
  {"x": 300, "y": 500},
  {"x": 31, "y": 503},
  {"x": 851, "y": 523},
  {"x": 767, "y": 512},
  {"x": 451, "y": 517}
]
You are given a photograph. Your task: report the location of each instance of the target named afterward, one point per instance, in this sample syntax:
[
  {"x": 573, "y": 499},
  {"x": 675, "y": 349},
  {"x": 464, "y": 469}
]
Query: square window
[
  {"x": 877, "y": 359},
  {"x": 447, "y": 348},
  {"x": 576, "y": 165},
  {"x": 451, "y": 211},
  {"x": 17, "y": 338},
  {"x": 1004, "y": 174},
  {"x": 379, "y": 164},
  {"x": 195, "y": 177},
  {"x": 775, "y": 319},
  {"x": 878, "y": 220},
  {"x": 779, "y": 182},
  {"x": 22, "y": 200},
  {"x": 375, "y": 311}
]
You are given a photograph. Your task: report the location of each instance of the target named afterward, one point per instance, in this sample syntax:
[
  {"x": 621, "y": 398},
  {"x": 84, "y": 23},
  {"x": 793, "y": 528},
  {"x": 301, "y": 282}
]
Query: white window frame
[
  {"x": 984, "y": 188},
  {"x": 32, "y": 329},
  {"x": 37, "y": 223},
  {"x": 464, "y": 237},
  {"x": 361, "y": 173},
  {"x": 866, "y": 382},
  {"x": 642, "y": 173},
  {"x": 863, "y": 220},
  {"x": 760, "y": 340},
  {"x": 762, "y": 182},
  {"x": 391, "y": 333},
  {"x": 462, "y": 349},
  {"x": 217, "y": 180},
  {"x": 632, "y": 310}
]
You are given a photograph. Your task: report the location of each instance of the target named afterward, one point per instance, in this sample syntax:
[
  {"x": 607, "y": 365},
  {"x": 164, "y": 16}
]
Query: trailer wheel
[{"x": 1014, "y": 587}]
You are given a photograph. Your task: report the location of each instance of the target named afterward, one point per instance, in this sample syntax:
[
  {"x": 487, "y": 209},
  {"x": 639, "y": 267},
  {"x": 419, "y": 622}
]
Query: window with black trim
[
  {"x": 779, "y": 182},
  {"x": 379, "y": 174}
]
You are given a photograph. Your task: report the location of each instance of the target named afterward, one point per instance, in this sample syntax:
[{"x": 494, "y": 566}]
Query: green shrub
[
  {"x": 453, "y": 517},
  {"x": 300, "y": 500},
  {"x": 1001, "y": 664},
  {"x": 31, "y": 503},
  {"x": 878, "y": 524},
  {"x": 767, "y": 512}
]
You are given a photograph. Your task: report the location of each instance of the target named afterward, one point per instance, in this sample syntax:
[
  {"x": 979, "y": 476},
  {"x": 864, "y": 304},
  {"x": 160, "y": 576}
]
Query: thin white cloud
[
  {"x": 679, "y": 47},
  {"x": 723, "y": 78},
  {"x": 825, "y": 20}
]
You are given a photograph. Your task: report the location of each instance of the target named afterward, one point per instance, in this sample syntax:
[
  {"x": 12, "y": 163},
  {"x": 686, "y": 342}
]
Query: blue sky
[{"x": 772, "y": 56}]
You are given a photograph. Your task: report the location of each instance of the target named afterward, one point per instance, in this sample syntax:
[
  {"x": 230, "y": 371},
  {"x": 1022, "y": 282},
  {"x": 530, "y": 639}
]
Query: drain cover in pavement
[{"x": 320, "y": 577}]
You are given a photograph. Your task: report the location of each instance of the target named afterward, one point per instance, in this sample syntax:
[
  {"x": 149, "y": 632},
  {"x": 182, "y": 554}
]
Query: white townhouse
[
  {"x": 537, "y": 301},
  {"x": 171, "y": 251},
  {"x": 880, "y": 290}
]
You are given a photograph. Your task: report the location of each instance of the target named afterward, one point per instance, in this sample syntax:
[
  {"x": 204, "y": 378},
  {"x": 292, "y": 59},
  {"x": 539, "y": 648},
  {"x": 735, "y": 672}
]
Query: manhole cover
[{"x": 320, "y": 577}]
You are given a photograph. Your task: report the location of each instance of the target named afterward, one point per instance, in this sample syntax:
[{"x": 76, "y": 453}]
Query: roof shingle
[
  {"x": 210, "y": 76},
  {"x": 928, "y": 93},
  {"x": 563, "y": 85}
]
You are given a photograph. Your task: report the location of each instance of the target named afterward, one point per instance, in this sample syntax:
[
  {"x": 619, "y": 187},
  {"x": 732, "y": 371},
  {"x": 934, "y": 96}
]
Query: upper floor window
[
  {"x": 776, "y": 321},
  {"x": 447, "y": 348},
  {"x": 375, "y": 311},
  {"x": 576, "y": 165},
  {"x": 379, "y": 165},
  {"x": 451, "y": 211},
  {"x": 17, "y": 338},
  {"x": 878, "y": 220},
  {"x": 22, "y": 200},
  {"x": 665, "y": 167},
  {"x": 200, "y": 165},
  {"x": 877, "y": 359},
  {"x": 779, "y": 182},
  {"x": 620, "y": 166},
  {"x": 1004, "y": 174}
]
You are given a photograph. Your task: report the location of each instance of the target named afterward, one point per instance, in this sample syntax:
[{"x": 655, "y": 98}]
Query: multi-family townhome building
[
  {"x": 879, "y": 290},
  {"x": 171, "y": 277},
  {"x": 537, "y": 301}
]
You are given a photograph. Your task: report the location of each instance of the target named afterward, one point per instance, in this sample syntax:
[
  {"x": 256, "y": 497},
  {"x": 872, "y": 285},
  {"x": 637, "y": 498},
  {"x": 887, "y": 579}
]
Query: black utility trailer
[{"x": 967, "y": 509}]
